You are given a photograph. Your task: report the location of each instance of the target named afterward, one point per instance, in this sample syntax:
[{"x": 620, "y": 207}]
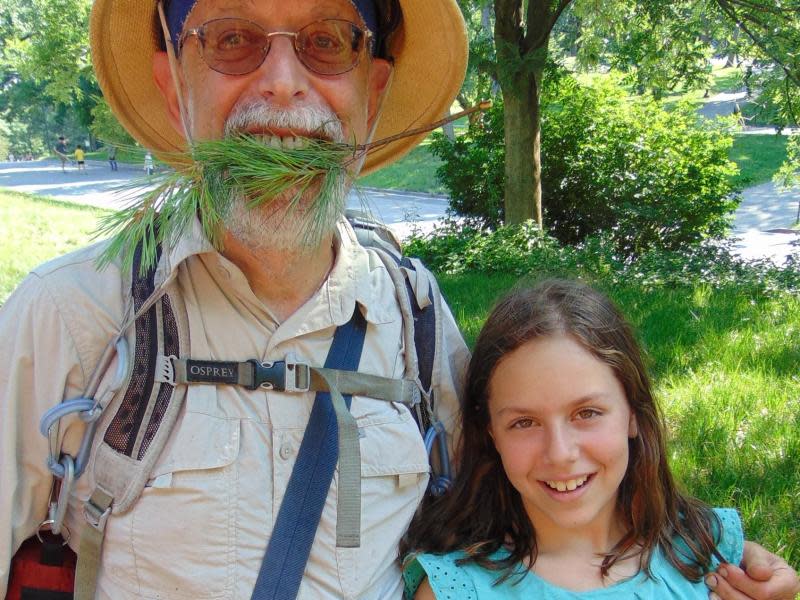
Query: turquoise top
[{"x": 472, "y": 582}]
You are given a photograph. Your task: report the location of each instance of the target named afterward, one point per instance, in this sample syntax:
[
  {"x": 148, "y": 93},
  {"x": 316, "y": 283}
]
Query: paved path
[
  {"x": 99, "y": 186},
  {"x": 762, "y": 224}
]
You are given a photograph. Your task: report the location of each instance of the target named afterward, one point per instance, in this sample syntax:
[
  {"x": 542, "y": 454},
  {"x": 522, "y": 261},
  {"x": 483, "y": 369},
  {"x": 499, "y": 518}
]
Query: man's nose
[{"x": 283, "y": 80}]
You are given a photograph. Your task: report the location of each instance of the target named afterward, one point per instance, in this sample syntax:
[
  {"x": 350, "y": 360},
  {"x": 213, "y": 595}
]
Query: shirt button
[{"x": 285, "y": 451}]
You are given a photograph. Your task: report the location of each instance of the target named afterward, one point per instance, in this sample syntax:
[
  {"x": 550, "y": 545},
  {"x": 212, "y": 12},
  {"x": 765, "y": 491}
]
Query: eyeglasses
[{"x": 236, "y": 46}]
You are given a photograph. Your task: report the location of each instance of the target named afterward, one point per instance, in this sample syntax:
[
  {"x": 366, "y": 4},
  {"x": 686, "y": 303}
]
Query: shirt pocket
[
  {"x": 181, "y": 530},
  {"x": 394, "y": 475}
]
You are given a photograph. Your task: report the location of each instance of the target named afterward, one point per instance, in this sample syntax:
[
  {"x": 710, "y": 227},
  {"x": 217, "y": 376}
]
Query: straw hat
[{"x": 430, "y": 53}]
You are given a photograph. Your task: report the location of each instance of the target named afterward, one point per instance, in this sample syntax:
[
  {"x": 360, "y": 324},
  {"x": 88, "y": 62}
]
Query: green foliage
[
  {"x": 645, "y": 176},
  {"x": 789, "y": 174},
  {"x": 106, "y": 127},
  {"x": 216, "y": 173},
  {"x": 472, "y": 168},
  {"x": 519, "y": 250}
]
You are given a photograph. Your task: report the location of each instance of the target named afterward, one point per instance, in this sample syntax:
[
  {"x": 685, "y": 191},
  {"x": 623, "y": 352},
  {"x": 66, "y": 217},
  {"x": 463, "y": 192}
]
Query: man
[
  {"x": 207, "y": 512},
  {"x": 61, "y": 151}
]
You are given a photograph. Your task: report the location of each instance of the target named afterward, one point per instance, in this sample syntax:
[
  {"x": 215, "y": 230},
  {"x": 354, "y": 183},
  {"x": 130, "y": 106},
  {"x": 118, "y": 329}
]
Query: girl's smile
[{"x": 560, "y": 421}]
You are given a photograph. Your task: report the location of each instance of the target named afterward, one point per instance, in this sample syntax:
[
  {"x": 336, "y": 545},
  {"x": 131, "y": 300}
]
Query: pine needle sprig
[{"x": 219, "y": 173}]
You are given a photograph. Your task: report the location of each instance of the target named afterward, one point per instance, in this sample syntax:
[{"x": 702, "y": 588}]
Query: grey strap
[
  {"x": 96, "y": 511},
  {"x": 348, "y": 509}
]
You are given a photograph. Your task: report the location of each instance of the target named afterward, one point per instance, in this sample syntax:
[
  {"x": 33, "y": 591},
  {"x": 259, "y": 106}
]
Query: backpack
[{"x": 144, "y": 415}]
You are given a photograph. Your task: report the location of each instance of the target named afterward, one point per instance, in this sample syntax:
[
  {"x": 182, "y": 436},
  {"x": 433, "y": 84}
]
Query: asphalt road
[
  {"x": 99, "y": 186},
  {"x": 762, "y": 225}
]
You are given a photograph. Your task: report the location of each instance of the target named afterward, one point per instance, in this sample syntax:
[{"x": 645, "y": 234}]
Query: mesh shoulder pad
[{"x": 141, "y": 416}]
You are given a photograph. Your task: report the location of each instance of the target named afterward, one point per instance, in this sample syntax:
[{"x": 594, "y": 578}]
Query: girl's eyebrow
[{"x": 586, "y": 398}]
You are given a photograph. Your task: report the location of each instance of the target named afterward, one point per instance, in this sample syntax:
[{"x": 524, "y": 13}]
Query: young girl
[{"x": 563, "y": 489}]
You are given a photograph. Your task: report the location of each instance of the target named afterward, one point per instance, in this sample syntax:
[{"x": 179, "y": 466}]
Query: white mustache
[{"x": 314, "y": 121}]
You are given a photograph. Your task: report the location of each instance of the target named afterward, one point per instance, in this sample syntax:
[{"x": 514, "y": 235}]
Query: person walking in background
[
  {"x": 148, "y": 163},
  {"x": 112, "y": 157},
  {"x": 564, "y": 490},
  {"x": 61, "y": 151},
  {"x": 80, "y": 158}
]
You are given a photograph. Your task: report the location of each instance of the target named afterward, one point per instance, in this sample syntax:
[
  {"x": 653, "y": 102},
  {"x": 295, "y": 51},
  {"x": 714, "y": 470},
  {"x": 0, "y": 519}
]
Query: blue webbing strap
[{"x": 301, "y": 509}]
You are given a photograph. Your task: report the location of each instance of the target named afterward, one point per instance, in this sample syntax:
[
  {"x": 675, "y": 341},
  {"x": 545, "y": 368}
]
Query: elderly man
[{"x": 208, "y": 508}]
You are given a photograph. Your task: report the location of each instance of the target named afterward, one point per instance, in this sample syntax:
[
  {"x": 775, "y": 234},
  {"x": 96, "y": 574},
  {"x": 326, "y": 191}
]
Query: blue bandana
[{"x": 178, "y": 10}]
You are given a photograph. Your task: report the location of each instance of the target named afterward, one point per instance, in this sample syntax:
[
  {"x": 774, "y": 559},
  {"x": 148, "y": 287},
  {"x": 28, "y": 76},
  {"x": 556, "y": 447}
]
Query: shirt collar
[{"x": 353, "y": 278}]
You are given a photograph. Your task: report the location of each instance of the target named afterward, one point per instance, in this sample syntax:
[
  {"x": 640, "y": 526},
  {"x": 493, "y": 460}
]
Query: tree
[
  {"x": 48, "y": 87},
  {"x": 670, "y": 46},
  {"x": 521, "y": 41}
]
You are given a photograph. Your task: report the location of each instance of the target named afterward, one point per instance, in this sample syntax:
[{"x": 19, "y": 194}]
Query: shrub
[
  {"x": 626, "y": 167},
  {"x": 523, "y": 249}
]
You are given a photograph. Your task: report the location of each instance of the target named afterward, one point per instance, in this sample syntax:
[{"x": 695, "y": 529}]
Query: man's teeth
[
  {"x": 569, "y": 484},
  {"x": 287, "y": 143}
]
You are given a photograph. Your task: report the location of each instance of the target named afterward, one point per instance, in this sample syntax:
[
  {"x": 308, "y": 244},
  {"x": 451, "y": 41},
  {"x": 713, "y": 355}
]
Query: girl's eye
[
  {"x": 587, "y": 413},
  {"x": 522, "y": 424}
]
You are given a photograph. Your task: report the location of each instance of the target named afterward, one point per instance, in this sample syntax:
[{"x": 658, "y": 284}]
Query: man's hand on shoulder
[{"x": 762, "y": 576}]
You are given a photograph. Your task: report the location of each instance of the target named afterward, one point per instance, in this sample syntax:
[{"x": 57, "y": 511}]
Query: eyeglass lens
[{"x": 238, "y": 46}]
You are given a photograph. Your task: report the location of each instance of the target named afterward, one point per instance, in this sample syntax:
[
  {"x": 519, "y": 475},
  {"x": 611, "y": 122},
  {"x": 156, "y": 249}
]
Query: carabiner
[
  {"x": 89, "y": 410},
  {"x": 47, "y": 427},
  {"x": 440, "y": 482},
  {"x": 58, "y": 508}
]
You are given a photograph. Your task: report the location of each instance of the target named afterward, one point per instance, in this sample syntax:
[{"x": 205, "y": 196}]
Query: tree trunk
[
  {"x": 523, "y": 193},
  {"x": 448, "y": 128}
]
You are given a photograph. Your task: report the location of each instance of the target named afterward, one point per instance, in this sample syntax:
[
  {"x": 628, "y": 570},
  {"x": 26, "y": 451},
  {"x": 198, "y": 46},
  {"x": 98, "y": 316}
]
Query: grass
[
  {"x": 415, "y": 172},
  {"x": 723, "y": 79},
  {"x": 125, "y": 154},
  {"x": 724, "y": 362},
  {"x": 758, "y": 157},
  {"x": 34, "y": 229}
]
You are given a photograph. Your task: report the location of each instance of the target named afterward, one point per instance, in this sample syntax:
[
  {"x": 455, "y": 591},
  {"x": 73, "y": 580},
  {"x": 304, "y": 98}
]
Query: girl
[{"x": 563, "y": 489}]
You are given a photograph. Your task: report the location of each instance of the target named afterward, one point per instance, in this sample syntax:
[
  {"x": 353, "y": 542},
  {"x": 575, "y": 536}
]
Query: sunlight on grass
[
  {"x": 415, "y": 172},
  {"x": 34, "y": 229},
  {"x": 758, "y": 157}
]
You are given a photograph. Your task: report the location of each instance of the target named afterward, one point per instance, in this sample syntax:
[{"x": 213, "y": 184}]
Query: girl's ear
[{"x": 633, "y": 428}]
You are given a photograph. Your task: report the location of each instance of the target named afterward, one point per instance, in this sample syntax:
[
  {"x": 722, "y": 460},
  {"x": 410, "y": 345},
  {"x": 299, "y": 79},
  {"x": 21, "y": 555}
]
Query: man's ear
[
  {"x": 380, "y": 73},
  {"x": 163, "y": 78}
]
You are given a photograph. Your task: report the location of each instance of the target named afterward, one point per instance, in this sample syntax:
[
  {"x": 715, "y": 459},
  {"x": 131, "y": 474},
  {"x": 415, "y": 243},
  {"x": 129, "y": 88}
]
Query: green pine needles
[{"x": 220, "y": 172}]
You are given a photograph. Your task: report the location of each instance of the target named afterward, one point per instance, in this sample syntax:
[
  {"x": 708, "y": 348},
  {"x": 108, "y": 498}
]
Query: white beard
[{"x": 280, "y": 224}]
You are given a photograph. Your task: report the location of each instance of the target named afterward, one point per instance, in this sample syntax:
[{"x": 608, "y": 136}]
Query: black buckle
[{"x": 282, "y": 376}]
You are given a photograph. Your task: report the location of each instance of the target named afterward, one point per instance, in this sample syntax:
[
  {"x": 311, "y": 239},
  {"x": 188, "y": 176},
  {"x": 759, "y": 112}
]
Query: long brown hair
[{"x": 483, "y": 512}]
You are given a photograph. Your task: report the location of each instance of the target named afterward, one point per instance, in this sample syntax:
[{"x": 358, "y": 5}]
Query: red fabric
[{"x": 27, "y": 571}]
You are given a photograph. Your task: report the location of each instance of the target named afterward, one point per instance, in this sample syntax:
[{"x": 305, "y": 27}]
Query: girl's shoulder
[
  {"x": 447, "y": 578},
  {"x": 730, "y": 545},
  {"x": 729, "y": 535}
]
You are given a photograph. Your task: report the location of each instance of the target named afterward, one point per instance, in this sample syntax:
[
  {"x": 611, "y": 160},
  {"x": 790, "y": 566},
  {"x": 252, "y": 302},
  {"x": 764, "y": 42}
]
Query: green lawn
[
  {"x": 415, "y": 172},
  {"x": 758, "y": 157},
  {"x": 125, "y": 154},
  {"x": 33, "y": 230},
  {"x": 725, "y": 364},
  {"x": 723, "y": 79}
]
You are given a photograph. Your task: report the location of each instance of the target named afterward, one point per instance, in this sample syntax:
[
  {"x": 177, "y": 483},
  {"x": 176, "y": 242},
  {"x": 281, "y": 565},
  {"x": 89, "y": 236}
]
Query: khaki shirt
[{"x": 202, "y": 523}]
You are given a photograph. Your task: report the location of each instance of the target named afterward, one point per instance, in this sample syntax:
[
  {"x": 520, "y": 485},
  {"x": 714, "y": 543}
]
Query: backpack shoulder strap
[{"x": 138, "y": 421}]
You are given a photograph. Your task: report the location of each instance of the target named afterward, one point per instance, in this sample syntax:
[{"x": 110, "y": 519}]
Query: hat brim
[{"x": 430, "y": 54}]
